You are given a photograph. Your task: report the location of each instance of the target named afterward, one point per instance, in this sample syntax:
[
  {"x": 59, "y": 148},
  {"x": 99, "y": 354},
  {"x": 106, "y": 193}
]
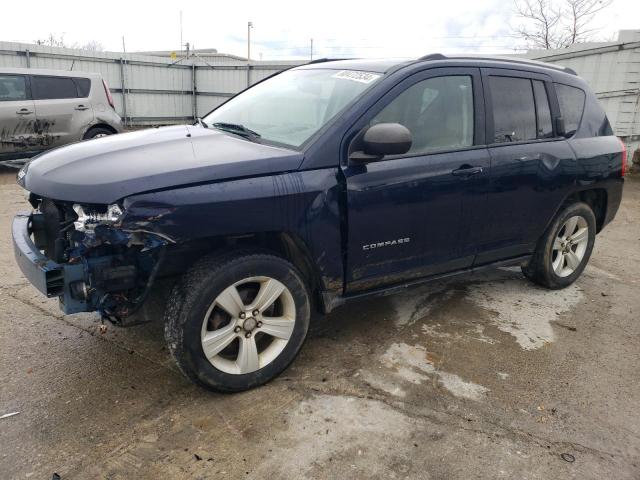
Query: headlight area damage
[{"x": 109, "y": 262}]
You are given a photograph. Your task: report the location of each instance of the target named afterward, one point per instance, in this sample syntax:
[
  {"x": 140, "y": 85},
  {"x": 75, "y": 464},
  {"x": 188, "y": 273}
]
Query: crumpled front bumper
[{"x": 50, "y": 278}]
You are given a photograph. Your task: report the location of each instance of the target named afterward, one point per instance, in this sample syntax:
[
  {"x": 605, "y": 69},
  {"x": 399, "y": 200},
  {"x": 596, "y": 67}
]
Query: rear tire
[
  {"x": 564, "y": 249},
  {"x": 96, "y": 132},
  {"x": 237, "y": 321}
]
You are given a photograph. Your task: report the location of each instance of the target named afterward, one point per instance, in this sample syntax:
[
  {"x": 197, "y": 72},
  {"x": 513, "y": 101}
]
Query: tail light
[
  {"x": 108, "y": 94},
  {"x": 624, "y": 159}
]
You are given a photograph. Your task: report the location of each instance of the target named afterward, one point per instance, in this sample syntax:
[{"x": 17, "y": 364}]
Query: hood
[{"x": 107, "y": 169}]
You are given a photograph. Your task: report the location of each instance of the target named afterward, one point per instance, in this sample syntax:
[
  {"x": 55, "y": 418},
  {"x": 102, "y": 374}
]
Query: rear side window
[
  {"x": 514, "y": 112},
  {"x": 12, "y": 88},
  {"x": 83, "y": 85},
  {"x": 438, "y": 112},
  {"x": 571, "y": 101},
  {"x": 543, "y": 112},
  {"x": 49, "y": 88}
]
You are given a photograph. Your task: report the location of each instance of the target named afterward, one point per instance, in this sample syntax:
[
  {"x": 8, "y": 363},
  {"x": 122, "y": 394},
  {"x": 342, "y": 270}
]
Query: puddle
[
  {"x": 414, "y": 304},
  {"x": 515, "y": 306}
]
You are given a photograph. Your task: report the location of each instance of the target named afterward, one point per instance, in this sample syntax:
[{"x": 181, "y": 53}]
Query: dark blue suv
[{"x": 326, "y": 182}]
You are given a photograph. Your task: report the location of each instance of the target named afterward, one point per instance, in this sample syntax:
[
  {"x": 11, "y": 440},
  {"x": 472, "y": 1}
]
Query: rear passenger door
[
  {"x": 62, "y": 109},
  {"x": 531, "y": 166}
]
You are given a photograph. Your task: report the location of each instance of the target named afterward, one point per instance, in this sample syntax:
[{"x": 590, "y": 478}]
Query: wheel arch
[
  {"x": 596, "y": 198},
  {"x": 286, "y": 245},
  {"x": 106, "y": 126}
]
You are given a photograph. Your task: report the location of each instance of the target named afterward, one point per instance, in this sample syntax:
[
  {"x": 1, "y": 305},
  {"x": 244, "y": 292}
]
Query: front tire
[
  {"x": 564, "y": 249},
  {"x": 235, "y": 322}
]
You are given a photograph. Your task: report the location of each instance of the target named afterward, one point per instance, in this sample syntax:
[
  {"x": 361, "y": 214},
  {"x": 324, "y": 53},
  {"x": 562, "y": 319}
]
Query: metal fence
[{"x": 150, "y": 90}]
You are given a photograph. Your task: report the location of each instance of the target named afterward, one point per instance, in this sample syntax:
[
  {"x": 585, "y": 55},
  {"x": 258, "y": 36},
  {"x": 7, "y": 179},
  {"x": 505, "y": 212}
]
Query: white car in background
[{"x": 43, "y": 109}]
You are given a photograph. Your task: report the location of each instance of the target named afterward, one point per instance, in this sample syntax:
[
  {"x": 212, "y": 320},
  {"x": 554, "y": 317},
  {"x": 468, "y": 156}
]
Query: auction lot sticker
[{"x": 357, "y": 76}]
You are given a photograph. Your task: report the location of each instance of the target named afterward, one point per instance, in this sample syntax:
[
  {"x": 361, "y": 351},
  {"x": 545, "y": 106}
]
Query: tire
[
  {"x": 195, "y": 320},
  {"x": 557, "y": 263},
  {"x": 96, "y": 132}
]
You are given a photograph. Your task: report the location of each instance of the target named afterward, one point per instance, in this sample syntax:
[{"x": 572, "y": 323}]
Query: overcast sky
[{"x": 283, "y": 29}]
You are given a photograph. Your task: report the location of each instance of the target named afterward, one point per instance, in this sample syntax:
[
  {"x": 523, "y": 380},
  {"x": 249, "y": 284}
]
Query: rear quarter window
[
  {"x": 571, "y": 101},
  {"x": 50, "y": 88},
  {"x": 83, "y": 85}
]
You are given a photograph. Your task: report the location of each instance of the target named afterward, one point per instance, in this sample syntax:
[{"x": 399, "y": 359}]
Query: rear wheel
[
  {"x": 236, "y": 322},
  {"x": 564, "y": 250},
  {"x": 97, "y": 132}
]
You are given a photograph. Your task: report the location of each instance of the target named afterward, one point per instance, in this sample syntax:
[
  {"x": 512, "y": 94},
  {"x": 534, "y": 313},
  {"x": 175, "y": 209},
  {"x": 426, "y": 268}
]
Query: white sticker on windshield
[{"x": 357, "y": 76}]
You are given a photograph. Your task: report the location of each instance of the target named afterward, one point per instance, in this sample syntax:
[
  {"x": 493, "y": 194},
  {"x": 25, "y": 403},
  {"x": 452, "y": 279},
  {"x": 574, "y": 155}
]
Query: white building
[{"x": 612, "y": 69}]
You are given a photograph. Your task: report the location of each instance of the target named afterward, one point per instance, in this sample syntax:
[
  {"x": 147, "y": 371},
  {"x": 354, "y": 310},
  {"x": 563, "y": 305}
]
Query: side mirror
[
  {"x": 561, "y": 131},
  {"x": 383, "y": 139}
]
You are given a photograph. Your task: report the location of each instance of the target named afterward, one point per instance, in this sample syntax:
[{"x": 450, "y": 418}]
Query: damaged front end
[{"x": 89, "y": 256}]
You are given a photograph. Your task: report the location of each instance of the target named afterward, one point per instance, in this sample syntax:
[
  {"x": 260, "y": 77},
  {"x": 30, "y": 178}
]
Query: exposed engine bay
[{"x": 107, "y": 267}]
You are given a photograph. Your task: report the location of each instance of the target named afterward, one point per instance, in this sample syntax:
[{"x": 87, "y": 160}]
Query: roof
[
  {"x": 384, "y": 65},
  {"x": 511, "y": 59},
  {"x": 49, "y": 71},
  {"x": 363, "y": 64}
]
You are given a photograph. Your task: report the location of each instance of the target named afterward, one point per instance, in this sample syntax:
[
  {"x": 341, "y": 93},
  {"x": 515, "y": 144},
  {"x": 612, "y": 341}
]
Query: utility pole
[
  {"x": 249, "y": 27},
  {"x": 181, "y": 45},
  {"x": 311, "y": 51}
]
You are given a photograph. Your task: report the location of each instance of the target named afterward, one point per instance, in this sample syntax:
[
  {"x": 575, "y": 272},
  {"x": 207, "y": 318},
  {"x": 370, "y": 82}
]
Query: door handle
[
  {"x": 466, "y": 171},
  {"x": 82, "y": 107},
  {"x": 24, "y": 111}
]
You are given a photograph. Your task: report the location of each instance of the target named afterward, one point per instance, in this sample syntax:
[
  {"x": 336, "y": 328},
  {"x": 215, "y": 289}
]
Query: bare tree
[
  {"x": 54, "y": 40},
  {"x": 551, "y": 24},
  {"x": 91, "y": 45}
]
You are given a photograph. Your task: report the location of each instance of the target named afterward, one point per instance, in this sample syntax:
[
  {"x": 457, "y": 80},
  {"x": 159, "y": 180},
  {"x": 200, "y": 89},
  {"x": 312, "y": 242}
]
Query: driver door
[{"x": 413, "y": 215}]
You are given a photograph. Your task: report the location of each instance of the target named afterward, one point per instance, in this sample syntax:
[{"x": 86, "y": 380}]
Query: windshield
[{"x": 292, "y": 106}]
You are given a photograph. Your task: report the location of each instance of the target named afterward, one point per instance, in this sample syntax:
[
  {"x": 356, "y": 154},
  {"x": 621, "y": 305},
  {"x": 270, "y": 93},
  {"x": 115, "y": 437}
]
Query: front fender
[{"x": 305, "y": 204}]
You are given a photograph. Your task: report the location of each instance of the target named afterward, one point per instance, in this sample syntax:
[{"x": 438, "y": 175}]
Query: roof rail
[
  {"x": 433, "y": 56},
  {"x": 322, "y": 60},
  {"x": 498, "y": 58}
]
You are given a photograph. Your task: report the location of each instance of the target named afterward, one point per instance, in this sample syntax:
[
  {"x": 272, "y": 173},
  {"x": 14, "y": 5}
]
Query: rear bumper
[
  {"x": 50, "y": 278},
  {"x": 614, "y": 198}
]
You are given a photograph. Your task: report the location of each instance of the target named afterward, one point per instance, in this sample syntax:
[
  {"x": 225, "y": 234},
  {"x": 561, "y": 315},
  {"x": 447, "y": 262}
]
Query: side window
[
  {"x": 571, "y": 101},
  {"x": 12, "y": 88},
  {"x": 543, "y": 112},
  {"x": 83, "y": 85},
  {"x": 438, "y": 112},
  {"x": 514, "y": 113},
  {"x": 53, "y": 88}
]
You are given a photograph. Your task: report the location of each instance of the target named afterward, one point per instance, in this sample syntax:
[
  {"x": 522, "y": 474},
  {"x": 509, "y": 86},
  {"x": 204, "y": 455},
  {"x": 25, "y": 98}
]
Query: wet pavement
[{"x": 483, "y": 376}]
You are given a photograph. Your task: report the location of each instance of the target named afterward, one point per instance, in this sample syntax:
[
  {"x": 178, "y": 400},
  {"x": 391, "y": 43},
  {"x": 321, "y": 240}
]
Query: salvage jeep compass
[{"x": 324, "y": 183}]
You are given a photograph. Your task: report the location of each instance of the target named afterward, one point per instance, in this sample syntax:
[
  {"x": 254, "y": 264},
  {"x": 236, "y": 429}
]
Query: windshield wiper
[{"x": 236, "y": 128}]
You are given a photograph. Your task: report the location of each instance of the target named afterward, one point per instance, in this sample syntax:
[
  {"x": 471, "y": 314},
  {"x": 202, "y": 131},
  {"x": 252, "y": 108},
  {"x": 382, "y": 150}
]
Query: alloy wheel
[
  {"x": 248, "y": 325},
  {"x": 569, "y": 246}
]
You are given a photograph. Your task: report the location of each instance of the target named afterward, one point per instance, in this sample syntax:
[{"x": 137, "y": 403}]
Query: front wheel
[
  {"x": 236, "y": 322},
  {"x": 565, "y": 248}
]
